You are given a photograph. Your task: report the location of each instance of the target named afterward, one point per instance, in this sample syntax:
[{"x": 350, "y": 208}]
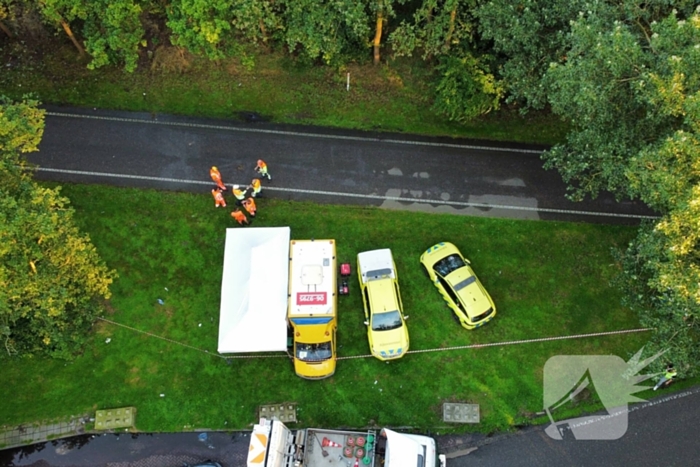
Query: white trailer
[{"x": 272, "y": 444}]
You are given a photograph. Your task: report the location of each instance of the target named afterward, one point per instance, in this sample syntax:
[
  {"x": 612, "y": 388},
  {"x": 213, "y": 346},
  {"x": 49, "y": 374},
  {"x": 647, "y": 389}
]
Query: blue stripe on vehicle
[{"x": 301, "y": 321}]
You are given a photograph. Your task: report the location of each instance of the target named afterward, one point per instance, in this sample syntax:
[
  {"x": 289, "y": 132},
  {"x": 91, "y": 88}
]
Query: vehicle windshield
[
  {"x": 448, "y": 264},
  {"x": 469, "y": 280},
  {"x": 314, "y": 352},
  {"x": 386, "y": 321}
]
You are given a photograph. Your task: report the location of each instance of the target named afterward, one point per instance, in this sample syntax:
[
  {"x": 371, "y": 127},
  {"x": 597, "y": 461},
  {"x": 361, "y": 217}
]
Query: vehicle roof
[
  {"x": 312, "y": 278},
  {"x": 382, "y": 295},
  {"x": 376, "y": 264},
  {"x": 473, "y": 296}
]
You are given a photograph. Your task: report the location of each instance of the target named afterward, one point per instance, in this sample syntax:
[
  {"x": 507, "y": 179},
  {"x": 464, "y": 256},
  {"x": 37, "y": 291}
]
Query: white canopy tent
[{"x": 253, "y": 309}]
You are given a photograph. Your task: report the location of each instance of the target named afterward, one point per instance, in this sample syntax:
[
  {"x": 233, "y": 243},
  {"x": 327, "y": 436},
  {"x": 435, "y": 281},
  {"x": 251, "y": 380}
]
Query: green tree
[
  {"x": 437, "y": 27},
  {"x": 5, "y": 14},
  {"x": 257, "y": 20},
  {"x": 61, "y": 13},
  {"x": 608, "y": 90},
  {"x": 51, "y": 277},
  {"x": 442, "y": 29},
  {"x": 325, "y": 29},
  {"x": 528, "y": 35},
  {"x": 113, "y": 33},
  {"x": 200, "y": 26},
  {"x": 465, "y": 88},
  {"x": 111, "y": 29},
  {"x": 21, "y": 128},
  {"x": 661, "y": 285},
  {"x": 631, "y": 89}
]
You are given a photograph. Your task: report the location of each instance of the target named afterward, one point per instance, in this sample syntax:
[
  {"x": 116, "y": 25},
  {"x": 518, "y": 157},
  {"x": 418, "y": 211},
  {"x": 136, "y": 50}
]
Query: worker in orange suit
[
  {"x": 240, "y": 217},
  {"x": 249, "y": 205},
  {"x": 256, "y": 187},
  {"x": 218, "y": 197},
  {"x": 216, "y": 176},
  {"x": 261, "y": 168},
  {"x": 240, "y": 193}
]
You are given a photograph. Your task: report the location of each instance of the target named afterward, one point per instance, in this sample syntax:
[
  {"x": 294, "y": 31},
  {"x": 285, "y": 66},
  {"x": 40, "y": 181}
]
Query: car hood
[
  {"x": 390, "y": 343},
  {"x": 315, "y": 370}
]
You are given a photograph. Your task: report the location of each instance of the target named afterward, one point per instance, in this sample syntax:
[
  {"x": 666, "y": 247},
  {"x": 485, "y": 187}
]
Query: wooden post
[
  {"x": 378, "y": 35},
  {"x": 77, "y": 45}
]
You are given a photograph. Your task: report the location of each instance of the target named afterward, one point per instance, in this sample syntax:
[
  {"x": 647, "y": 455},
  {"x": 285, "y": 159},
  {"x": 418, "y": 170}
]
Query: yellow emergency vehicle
[{"x": 312, "y": 312}]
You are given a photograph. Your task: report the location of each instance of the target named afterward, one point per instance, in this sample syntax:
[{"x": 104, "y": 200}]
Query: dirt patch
[
  {"x": 168, "y": 59},
  {"x": 133, "y": 378},
  {"x": 523, "y": 413},
  {"x": 102, "y": 328},
  {"x": 167, "y": 310},
  {"x": 109, "y": 309},
  {"x": 377, "y": 79},
  {"x": 302, "y": 116}
]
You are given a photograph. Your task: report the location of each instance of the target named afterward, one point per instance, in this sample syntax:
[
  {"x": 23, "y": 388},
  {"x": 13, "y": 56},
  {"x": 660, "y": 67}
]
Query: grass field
[
  {"x": 547, "y": 279},
  {"x": 395, "y": 97}
]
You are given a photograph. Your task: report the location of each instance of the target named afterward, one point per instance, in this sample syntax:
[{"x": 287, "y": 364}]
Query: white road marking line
[
  {"x": 293, "y": 133},
  {"x": 354, "y": 195}
]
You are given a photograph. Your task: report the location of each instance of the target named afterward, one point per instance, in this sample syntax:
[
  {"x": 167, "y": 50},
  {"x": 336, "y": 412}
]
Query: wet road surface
[
  {"x": 132, "y": 450},
  {"x": 394, "y": 171},
  {"x": 659, "y": 433}
]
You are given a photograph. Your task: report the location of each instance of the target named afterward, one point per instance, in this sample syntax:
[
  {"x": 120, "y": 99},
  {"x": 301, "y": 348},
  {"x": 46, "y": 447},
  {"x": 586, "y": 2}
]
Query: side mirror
[
  {"x": 406, "y": 317},
  {"x": 366, "y": 323}
]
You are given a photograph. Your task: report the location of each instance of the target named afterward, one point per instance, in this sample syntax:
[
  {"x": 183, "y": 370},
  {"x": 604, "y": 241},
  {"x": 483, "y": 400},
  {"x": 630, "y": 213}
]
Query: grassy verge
[
  {"x": 547, "y": 279},
  {"x": 394, "y": 97}
]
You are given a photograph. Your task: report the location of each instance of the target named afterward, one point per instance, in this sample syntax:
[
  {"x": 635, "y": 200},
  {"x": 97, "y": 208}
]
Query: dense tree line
[
  {"x": 330, "y": 32},
  {"x": 623, "y": 73}
]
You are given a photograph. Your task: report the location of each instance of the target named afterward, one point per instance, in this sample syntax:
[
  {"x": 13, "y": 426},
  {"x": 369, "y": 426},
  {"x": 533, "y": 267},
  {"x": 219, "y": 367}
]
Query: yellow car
[
  {"x": 386, "y": 325},
  {"x": 453, "y": 276}
]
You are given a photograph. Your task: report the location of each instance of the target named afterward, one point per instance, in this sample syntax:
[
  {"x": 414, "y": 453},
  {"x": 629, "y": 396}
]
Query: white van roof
[
  {"x": 312, "y": 278},
  {"x": 376, "y": 264}
]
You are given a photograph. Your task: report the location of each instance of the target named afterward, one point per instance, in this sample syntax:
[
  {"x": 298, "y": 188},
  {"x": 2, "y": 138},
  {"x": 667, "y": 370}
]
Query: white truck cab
[
  {"x": 405, "y": 450},
  {"x": 272, "y": 444}
]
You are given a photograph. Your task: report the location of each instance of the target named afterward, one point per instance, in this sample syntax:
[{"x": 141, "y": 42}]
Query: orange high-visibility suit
[
  {"x": 216, "y": 176},
  {"x": 239, "y": 216},
  {"x": 218, "y": 198},
  {"x": 256, "y": 186},
  {"x": 249, "y": 205},
  {"x": 261, "y": 168}
]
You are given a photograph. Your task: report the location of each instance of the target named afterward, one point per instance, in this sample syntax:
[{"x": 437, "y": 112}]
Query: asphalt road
[
  {"x": 389, "y": 170},
  {"x": 659, "y": 433}
]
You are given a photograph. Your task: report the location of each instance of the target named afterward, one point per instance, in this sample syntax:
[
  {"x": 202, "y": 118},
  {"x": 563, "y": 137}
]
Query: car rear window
[{"x": 378, "y": 273}]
